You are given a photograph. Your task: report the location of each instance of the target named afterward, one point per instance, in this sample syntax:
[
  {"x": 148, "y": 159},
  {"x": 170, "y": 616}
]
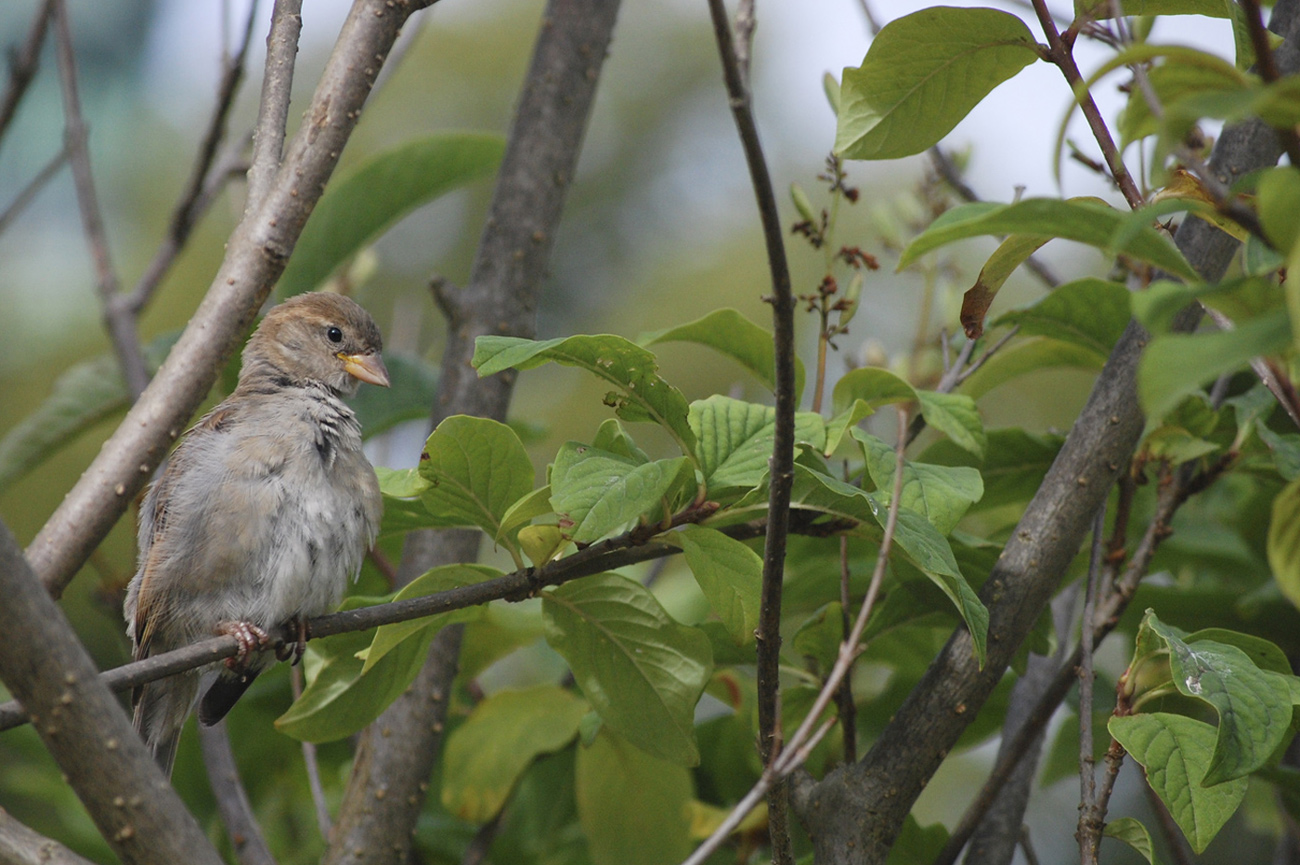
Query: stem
[
  {"x": 782, "y": 465},
  {"x": 1088, "y": 841}
]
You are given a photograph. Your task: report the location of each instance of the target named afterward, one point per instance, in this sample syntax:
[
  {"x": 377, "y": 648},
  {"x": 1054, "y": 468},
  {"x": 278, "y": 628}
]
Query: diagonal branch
[
  {"x": 23, "y": 65},
  {"x": 277, "y": 88},
  {"x": 255, "y": 256}
]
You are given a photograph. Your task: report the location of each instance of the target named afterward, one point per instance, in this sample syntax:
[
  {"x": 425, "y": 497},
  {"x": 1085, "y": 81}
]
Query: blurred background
[{"x": 660, "y": 227}]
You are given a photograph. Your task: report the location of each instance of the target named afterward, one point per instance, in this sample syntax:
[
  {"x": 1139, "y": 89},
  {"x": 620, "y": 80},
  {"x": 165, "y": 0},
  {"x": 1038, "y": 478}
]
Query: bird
[{"x": 264, "y": 511}]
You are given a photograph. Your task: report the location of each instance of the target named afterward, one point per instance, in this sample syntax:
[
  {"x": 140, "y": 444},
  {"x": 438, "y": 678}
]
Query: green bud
[
  {"x": 832, "y": 88},
  {"x": 851, "y": 295},
  {"x": 801, "y": 203}
]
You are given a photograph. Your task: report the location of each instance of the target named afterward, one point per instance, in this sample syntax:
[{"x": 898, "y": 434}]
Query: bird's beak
[{"x": 367, "y": 367}]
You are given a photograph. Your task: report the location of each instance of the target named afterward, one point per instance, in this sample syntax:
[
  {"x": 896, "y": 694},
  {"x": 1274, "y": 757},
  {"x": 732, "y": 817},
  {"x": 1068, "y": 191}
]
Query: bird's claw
[
  {"x": 250, "y": 637},
  {"x": 294, "y": 650}
]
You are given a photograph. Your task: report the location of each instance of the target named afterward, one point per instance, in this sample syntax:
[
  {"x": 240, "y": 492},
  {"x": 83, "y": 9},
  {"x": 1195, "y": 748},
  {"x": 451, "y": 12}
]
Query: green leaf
[
  {"x": 1254, "y": 705},
  {"x": 917, "y": 844},
  {"x": 955, "y": 415},
  {"x": 642, "y": 671},
  {"x": 1286, "y": 458},
  {"x": 641, "y": 396},
  {"x": 1175, "y": 752},
  {"x": 400, "y": 483},
  {"x": 942, "y": 494},
  {"x": 599, "y": 492},
  {"x": 82, "y": 396},
  {"x": 358, "y": 208},
  {"x": 632, "y": 806},
  {"x": 1131, "y": 831},
  {"x": 1089, "y": 313},
  {"x": 611, "y": 436},
  {"x": 1284, "y": 541},
  {"x": 1079, "y": 220},
  {"x": 1176, "y": 365},
  {"x": 1025, "y": 356},
  {"x": 485, "y": 756},
  {"x": 820, "y": 635},
  {"x": 441, "y": 579},
  {"x": 1100, "y": 10},
  {"x": 857, "y": 395},
  {"x": 735, "y": 440},
  {"x": 1014, "y": 465},
  {"x": 477, "y": 468},
  {"x": 1009, "y": 255},
  {"x": 731, "y": 576},
  {"x": 537, "y": 503},
  {"x": 923, "y": 73},
  {"x": 338, "y": 701},
  {"x": 1239, "y": 299},
  {"x": 1278, "y": 194},
  {"x": 729, "y": 332}
]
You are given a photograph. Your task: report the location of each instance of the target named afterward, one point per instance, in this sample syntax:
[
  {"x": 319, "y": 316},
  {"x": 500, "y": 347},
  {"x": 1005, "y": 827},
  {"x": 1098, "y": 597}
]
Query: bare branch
[
  {"x": 208, "y": 176},
  {"x": 19, "y": 845},
  {"x": 232, "y": 802},
  {"x": 84, "y": 727},
  {"x": 22, "y": 68},
  {"x": 120, "y": 322},
  {"x": 30, "y": 191},
  {"x": 782, "y": 464},
  {"x": 1090, "y": 816},
  {"x": 255, "y": 257},
  {"x": 277, "y": 87}
]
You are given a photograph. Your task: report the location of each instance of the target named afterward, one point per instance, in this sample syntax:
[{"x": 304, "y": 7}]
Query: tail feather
[
  {"x": 222, "y": 695},
  {"x": 160, "y": 711}
]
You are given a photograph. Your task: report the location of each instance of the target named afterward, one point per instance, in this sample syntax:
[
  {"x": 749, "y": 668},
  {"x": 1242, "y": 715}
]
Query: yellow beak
[{"x": 366, "y": 367}]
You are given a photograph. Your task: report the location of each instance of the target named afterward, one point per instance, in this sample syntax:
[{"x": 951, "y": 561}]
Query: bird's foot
[
  {"x": 251, "y": 639},
  {"x": 294, "y": 650}
]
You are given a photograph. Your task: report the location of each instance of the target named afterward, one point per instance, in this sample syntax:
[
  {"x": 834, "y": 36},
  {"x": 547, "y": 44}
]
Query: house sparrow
[{"x": 265, "y": 509}]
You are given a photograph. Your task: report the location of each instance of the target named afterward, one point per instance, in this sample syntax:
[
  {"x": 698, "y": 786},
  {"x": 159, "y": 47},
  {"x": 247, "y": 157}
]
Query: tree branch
[
  {"x": 277, "y": 88},
  {"x": 396, "y": 755},
  {"x": 19, "y": 845},
  {"x": 255, "y": 257},
  {"x": 23, "y": 65},
  {"x": 84, "y": 728},
  {"x": 782, "y": 465},
  {"x": 232, "y": 801}
]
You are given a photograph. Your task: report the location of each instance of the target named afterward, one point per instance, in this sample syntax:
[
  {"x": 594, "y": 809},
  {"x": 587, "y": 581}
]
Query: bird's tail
[{"x": 160, "y": 711}]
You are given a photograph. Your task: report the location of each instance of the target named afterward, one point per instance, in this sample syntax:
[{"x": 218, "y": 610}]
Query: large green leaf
[
  {"x": 485, "y": 756},
  {"x": 1084, "y": 221},
  {"x": 1175, "y": 751},
  {"x": 1009, "y": 255},
  {"x": 734, "y": 440},
  {"x": 1089, "y": 313},
  {"x": 358, "y": 208},
  {"x": 731, "y": 576},
  {"x": 414, "y": 383},
  {"x": 954, "y": 415},
  {"x": 641, "y": 396},
  {"x": 596, "y": 492},
  {"x": 1013, "y": 468},
  {"x": 923, "y": 73},
  {"x": 642, "y": 671},
  {"x": 861, "y": 391},
  {"x": 476, "y": 468},
  {"x": 942, "y": 494},
  {"x": 729, "y": 332},
  {"x": 441, "y": 579},
  {"x": 632, "y": 806},
  {"x": 1253, "y": 705},
  {"x": 1176, "y": 365},
  {"x": 1025, "y": 356},
  {"x": 338, "y": 701}
]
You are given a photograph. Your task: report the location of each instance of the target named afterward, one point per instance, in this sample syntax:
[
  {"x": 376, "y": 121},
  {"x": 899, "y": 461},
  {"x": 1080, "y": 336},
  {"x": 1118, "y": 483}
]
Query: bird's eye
[{"x": 334, "y": 334}]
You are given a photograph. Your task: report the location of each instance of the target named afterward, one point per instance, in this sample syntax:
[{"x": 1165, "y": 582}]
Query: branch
[
  {"x": 273, "y": 110},
  {"x": 255, "y": 257},
  {"x": 782, "y": 465},
  {"x": 121, "y": 323},
  {"x": 21, "y": 846},
  {"x": 23, "y": 65},
  {"x": 207, "y": 177},
  {"x": 395, "y": 759},
  {"x": 83, "y": 726},
  {"x": 30, "y": 191},
  {"x": 232, "y": 801}
]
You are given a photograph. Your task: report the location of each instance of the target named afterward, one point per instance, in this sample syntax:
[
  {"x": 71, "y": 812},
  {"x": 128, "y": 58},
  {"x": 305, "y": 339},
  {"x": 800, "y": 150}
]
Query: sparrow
[{"x": 265, "y": 509}]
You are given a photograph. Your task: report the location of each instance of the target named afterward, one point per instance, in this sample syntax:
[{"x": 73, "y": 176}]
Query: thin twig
[
  {"x": 323, "y": 820},
  {"x": 844, "y": 698},
  {"x": 273, "y": 110},
  {"x": 1060, "y": 55},
  {"x": 804, "y": 738},
  {"x": 208, "y": 176},
  {"x": 782, "y": 466},
  {"x": 23, "y": 65},
  {"x": 984, "y": 358},
  {"x": 32, "y": 189},
  {"x": 1088, "y": 841},
  {"x": 121, "y": 323},
  {"x": 232, "y": 800}
]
